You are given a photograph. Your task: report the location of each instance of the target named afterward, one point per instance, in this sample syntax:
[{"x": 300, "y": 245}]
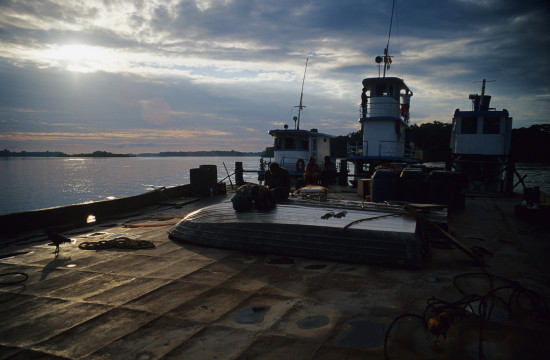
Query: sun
[{"x": 79, "y": 57}]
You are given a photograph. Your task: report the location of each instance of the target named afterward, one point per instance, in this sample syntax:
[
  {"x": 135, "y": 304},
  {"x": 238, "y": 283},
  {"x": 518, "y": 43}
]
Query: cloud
[{"x": 201, "y": 67}]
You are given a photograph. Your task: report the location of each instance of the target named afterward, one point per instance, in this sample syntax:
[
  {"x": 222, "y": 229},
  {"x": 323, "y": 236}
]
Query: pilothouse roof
[{"x": 368, "y": 82}]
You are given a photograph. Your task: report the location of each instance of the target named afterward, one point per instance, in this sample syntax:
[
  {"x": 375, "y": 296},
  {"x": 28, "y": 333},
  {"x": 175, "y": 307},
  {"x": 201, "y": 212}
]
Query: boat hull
[{"x": 306, "y": 231}]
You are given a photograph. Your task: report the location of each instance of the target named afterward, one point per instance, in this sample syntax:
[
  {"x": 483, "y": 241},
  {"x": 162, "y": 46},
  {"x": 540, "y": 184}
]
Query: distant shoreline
[{"x": 231, "y": 153}]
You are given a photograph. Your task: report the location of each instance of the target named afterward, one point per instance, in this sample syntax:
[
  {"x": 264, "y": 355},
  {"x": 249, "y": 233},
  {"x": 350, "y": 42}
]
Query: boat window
[
  {"x": 304, "y": 144},
  {"x": 380, "y": 89},
  {"x": 277, "y": 144},
  {"x": 491, "y": 125},
  {"x": 469, "y": 125},
  {"x": 289, "y": 143}
]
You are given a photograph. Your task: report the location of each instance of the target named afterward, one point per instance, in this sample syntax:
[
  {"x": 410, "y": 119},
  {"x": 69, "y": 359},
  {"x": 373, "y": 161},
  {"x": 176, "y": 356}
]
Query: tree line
[
  {"x": 8, "y": 153},
  {"x": 527, "y": 144}
]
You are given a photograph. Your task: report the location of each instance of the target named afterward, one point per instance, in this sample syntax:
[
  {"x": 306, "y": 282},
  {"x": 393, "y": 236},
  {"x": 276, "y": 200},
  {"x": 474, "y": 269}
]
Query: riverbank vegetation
[
  {"x": 528, "y": 145},
  {"x": 7, "y": 153}
]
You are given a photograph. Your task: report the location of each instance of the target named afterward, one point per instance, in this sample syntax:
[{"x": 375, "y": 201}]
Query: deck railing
[
  {"x": 382, "y": 107},
  {"x": 389, "y": 149},
  {"x": 356, "y": 148},
  {"x": 289, "y": 163}
]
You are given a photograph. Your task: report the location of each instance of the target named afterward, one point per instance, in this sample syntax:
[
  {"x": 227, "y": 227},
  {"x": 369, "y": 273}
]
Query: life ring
[{"x": 300, "y": 165}]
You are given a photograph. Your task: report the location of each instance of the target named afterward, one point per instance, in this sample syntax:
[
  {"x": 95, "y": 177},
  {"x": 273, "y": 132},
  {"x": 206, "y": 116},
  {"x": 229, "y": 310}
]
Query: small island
[{"x": 7, "y": 153}]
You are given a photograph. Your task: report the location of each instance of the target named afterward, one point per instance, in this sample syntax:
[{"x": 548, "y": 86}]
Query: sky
[{"x": 145, "y": 76}]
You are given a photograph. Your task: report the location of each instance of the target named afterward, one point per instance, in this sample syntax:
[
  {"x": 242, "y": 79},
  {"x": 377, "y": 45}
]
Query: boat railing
[
  {"x": 289, "y": 163},
  {"x": 384, "y": 107},
  {"x": 357, "y": 148},
  {"x": 381, "y": 106},
  {"x": 388, "y": 149},
  {"x": 398, "y": 149}
]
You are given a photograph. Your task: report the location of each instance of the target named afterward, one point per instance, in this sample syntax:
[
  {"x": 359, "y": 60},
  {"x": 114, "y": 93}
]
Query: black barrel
[
  {"x": 212, "y": 176},
  {"x": 200, "y": 181},
  {"x": 413, "y": 185},
  {"x": 384, "y": 185},
  {"x": 447, "y": 188}
]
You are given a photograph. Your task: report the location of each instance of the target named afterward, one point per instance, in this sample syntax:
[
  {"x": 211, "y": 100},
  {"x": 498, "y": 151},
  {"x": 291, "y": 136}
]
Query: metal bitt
[{"x": 239, "y": 180}]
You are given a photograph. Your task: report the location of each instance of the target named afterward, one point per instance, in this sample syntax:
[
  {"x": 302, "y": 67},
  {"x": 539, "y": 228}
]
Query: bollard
[
  {"x": 343, "y": 175},
  {"x": 239, "y": 173}
]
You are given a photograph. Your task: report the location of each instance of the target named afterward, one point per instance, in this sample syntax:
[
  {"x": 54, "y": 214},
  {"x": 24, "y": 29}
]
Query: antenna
[
  {"x": 300, "y": 107},
  {"x": 386, "y": 50},
  {"x": 483, "y": 90}
]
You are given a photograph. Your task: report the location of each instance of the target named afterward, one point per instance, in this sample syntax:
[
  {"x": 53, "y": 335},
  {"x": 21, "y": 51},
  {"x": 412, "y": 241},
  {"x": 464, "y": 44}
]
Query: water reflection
[{"x": 36, "y": 183}]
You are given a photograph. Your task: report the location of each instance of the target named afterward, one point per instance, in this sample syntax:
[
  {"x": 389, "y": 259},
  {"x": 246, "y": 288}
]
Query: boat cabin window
[
  {"x": 277, "y": 144},
  {"x": 469, "y": 125},
  {"x": 304, "y": 144},
  {"x": 380, "y": 89},
  {"x": 290, "y": 143},
  {"x": 384, "y": 89},
  {"x": 491, "y": 125}
]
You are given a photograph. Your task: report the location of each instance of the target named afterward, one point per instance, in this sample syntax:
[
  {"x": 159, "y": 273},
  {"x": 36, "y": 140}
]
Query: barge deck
[{"x": 179, "y": 300}]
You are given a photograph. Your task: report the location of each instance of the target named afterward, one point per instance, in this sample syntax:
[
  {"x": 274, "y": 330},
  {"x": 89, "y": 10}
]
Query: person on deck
[
  {"x": 311, "y": 173},
  {"x": 364, "y": 102},
  {"x": 277, "y": 180},
  {"x": 327, "y": 175},
  {"x": 405, "y": 105}
]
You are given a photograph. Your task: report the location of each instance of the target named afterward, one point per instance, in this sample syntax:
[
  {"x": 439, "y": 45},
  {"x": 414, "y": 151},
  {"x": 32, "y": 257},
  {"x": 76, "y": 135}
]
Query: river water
[{"x": 41, "y": 182}]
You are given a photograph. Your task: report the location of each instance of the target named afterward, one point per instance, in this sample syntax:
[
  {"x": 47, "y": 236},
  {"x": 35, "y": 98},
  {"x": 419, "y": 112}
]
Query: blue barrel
[
  {"x": 384, "y": 185},
  {"x": 413, "y": 185},
  {"x": 200, "y": 182}
]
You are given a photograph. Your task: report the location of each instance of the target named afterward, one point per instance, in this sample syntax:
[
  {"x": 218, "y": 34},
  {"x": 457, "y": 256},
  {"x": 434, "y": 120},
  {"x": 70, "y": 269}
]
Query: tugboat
[
  {"x": 335, "y": 229},
  {"x": 293, "y": 147},
  {"x": 480, "y": 145},
  {"x": 384, "y": 117}
]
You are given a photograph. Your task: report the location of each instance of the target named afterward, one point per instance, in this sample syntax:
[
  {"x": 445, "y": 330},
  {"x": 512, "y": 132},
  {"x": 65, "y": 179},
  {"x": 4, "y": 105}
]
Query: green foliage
[
  {"x": 433, "y": 138},
  {"x": 338, "y": 145},
  {"x": 531, "y": 144},
  {"x": 7, "y": 153},
  {"x": 268, "y": 152},
  {"x": 100, "y": 154},
  {"x": 231, "y": 153}
]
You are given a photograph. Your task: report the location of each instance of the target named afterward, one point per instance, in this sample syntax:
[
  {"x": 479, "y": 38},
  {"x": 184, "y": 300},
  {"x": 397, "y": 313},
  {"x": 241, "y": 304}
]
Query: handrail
[
  {"x": 289, "y": 163},
  {"x": 356, "y": 148},
  {"x": 382, "y": 106},
  {"x": 385, "y": 148}
]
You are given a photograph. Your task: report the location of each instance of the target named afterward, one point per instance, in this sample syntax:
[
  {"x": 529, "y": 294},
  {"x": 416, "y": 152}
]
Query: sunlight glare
[{"x": 80, "y": 58}]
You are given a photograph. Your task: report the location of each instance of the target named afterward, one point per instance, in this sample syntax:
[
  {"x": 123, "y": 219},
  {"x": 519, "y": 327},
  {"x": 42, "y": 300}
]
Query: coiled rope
[{"x": 117, "y": 243}]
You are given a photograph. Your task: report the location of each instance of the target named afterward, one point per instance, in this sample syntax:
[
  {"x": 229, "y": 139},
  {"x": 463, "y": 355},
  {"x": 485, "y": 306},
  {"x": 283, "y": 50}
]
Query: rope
[
  {"x": 530, "y": 304},
  {"x": 118, "y": 243},
  {"x": 14, "y": 282},
  {"x": 372, "y": 218},
  {"x": 127, "y": 225}
]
